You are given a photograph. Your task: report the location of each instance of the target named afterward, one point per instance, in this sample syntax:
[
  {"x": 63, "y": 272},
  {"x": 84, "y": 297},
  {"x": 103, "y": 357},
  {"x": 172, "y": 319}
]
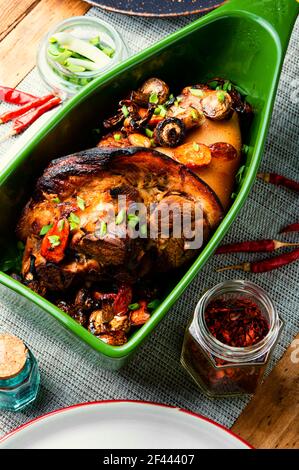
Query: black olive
[{"x": 170, "y": 132}]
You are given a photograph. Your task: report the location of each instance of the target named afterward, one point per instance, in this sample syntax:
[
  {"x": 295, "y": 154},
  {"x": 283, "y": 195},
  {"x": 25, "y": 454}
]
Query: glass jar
[
  {"x": 222, "y": 370},
  {"x": 19, "y": 374},
  {"x": 57, "y": 77}
]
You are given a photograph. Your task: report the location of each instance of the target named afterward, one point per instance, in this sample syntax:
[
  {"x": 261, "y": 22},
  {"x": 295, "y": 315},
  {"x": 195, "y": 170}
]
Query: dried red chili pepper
[
  {"x": 237, "y": 322},
  {"x": 122, "y": 300},
  {"x": 279, "y": 180},
  {"x": 265, "y": 265},
  {"x": 291, "y": 228},
  {"x": 55, "y": 241},
  {"x": 253, "y": 246},
  {"x": 10, "y": 115},
  {"x": 24, "y": 121},
  {"x": 13, "y": 96}
]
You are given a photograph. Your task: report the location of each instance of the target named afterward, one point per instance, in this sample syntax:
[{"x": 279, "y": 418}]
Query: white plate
[{"x": 121, "y": 425}]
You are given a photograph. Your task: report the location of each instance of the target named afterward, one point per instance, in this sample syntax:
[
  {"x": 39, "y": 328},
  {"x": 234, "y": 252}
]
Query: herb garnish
[
  {"x": 74, "y": 221},
  {"x": 45, "y": 229},
  {"x": 80, "y": 203},
  {"x": 54, "y": 240}
]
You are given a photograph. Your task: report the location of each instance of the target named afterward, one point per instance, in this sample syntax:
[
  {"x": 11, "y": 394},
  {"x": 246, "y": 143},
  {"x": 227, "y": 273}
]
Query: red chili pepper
[
  {"x": 237, "y": 322},
  {"x": 265, "y": 265},
  {"x": 291, "y": 228},
  {"x": 279, "y": 180},
  {"x": 13, "y": 96},
  {"x": 27, "y": 119},
  {"x": 55, "y": 241},
  {"x": 9, "y": 115},
  {"x": 123, "y": 300},
  {"x": 253, "y": 246}
]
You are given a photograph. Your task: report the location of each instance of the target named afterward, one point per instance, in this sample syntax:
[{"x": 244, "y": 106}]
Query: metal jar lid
[{"x": 13, "y": 355}]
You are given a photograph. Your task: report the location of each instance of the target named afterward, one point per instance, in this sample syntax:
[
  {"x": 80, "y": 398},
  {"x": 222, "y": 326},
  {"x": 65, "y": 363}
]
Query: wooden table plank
[
  {"x": 19, "y": 47},
  {"x": 11, "y": 13},
  {"x": 271, "y": 419}
]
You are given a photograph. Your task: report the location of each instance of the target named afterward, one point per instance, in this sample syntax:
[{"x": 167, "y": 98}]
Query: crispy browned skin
[{"x": 98, "y": 176}]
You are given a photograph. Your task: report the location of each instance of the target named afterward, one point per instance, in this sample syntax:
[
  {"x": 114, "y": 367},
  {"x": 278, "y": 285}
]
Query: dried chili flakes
[{"x": 236, "y": 322}]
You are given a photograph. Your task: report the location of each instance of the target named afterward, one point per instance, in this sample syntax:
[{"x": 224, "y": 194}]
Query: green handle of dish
[{"x": 279, "y": 14}]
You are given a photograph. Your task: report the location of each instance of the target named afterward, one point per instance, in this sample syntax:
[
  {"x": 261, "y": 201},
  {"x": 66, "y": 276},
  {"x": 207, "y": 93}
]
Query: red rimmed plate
[{"x": 141, "y": 425}]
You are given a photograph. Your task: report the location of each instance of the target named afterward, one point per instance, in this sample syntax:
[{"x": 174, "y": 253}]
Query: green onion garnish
[
  {"x": 54, "y": 240},
  {"x": 56, "y": 199},
  {"x": 154, "y": 304},
  {"x": 117, "y": 137},
  {"x": 221, "y": 96},
  {"x": 195, "y": 146},
  {"x": 154, "y": 99},
  {"x": 80, "y": 203},
  {"x": 134, "y": 306},
  {"x": 60, "y": 225},
  {"x": 196, "y": 92},
  {"x": 120, "y": 217},
  {"x": 45, "y": 229},
  {"x": 125, "y": 111},
  {"x": 74, "y": 221},
  {"x": 149, "y": 133},
  {"x": 103, "y": 229}
]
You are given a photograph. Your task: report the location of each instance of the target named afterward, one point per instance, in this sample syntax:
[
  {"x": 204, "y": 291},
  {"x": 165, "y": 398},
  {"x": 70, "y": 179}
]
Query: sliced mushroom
[
  {"x": 217, "y": 105},
  {"x": 154, "y": 86},
  {"x": 170, "y": 132}
]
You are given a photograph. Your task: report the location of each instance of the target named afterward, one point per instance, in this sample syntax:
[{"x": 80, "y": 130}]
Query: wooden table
[{"x": 272, "y": 417}]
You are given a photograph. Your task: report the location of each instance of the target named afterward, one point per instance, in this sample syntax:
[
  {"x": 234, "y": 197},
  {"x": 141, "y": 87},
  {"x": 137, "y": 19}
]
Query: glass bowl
[{"x": 57, "y": 77}]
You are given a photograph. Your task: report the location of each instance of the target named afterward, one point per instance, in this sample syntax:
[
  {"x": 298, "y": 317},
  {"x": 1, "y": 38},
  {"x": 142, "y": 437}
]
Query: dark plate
[{"x": 157, "y": 7}]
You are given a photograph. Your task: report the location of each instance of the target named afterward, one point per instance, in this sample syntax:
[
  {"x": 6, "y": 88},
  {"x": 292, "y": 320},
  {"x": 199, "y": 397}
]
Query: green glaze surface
[{"x": 243, "y": 41}]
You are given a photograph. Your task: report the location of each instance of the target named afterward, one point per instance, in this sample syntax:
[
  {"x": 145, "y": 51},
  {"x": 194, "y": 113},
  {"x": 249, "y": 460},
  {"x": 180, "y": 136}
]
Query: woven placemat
[{"x": 70, "y": 372}]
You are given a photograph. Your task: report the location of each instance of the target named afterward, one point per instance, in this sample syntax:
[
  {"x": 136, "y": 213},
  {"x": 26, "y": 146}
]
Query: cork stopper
[{"x": 13, "y": 354}]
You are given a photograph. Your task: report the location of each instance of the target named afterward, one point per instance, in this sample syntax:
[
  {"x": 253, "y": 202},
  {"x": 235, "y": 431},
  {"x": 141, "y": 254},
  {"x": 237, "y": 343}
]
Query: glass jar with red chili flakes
[{"x": 228, "y": 344}]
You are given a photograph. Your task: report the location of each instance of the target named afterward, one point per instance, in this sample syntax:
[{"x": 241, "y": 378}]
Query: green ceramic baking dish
[{"x": 244, "y": 41}]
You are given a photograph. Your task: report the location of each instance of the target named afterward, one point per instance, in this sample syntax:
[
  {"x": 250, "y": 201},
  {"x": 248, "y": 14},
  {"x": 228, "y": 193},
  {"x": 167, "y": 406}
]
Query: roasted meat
[{"x": 77, "y": 189}]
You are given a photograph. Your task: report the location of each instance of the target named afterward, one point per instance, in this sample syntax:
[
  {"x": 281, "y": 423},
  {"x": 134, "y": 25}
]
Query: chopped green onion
[
  {"x": 54, "y": 240},
  {"x": 125, "y": 111},
  {"x": 120, "y": 217},
  {"x": 108, "y": 51},
  {"x": 221, "y": 96},
  {"x": 143, "y": 229},
  {"x": 153, "y": 143},
  {"x": 103, "y": 229},
  {"x": 86, "y": 49},
  {"x": 240, "y": 174},
  {"x": 154, "y": 304},
  {"x": 154, "y": 99},
  {"x": 56, "y": 199},
  {"x": 233, "y": 195},
  {"x": 160, "y": 110},
  {"x": 80, "y": 64},
  {"x": 196, "y": 92},
  {"x": 195, "y": 146},
  {"x": 95, "y": 41},
  {"x": 134, "y": 306},
  {"x": 133, "y": 220},
  {"x": 245, "y": 149},
  {"x": 213, "y": 84},
  {"x": 227, "y": 86},
  {"x": 74, "y": 221},
  {"x": 149, "y": 133},
  {"x": 117, "y": 137},
  {"x": 45, "y": 229},
  {"x": 60, "y": 225},
  {"x": 80, "y": 203}
]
